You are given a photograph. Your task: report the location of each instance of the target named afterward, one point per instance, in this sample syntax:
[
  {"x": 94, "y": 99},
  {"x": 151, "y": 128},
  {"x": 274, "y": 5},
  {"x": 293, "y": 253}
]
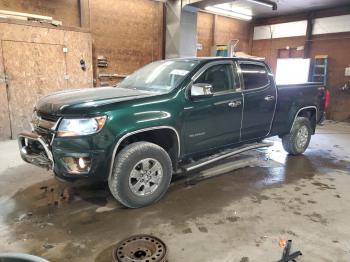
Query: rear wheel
[
  {"x": 141, "y": 174},
  {"x": 297, "y": 141}
]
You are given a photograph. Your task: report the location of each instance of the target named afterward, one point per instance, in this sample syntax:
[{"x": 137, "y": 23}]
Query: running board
[{"x": 225, "y": 154}]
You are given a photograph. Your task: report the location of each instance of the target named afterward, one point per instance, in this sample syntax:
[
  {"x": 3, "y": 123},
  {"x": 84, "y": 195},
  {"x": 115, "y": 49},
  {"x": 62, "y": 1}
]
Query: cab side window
[
  {"x": 254, "y": 76},
  {"x": 219, "y": 76}
]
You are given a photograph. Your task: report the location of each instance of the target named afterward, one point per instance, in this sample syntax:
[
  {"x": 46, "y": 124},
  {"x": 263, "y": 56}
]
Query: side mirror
[{"x": 201, "y": 90}]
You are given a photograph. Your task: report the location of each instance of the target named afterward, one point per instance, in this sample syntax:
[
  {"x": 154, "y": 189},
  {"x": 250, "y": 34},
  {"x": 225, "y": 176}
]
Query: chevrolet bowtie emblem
[{"x": 36, "y": 121}]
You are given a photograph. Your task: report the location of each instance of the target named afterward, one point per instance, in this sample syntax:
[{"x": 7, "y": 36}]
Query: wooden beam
[
  {"x": 84, "y": 13},
  {"x": 30, "y": 16},
  {"x": 215, "y": 22}
]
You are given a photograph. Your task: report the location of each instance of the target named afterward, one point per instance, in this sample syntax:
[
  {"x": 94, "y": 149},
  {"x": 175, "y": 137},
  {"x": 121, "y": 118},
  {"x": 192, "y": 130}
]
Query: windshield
[{"x": 160, "y": 76}]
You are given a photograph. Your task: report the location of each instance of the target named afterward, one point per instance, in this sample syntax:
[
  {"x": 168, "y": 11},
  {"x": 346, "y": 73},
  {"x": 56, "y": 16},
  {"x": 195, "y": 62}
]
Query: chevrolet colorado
[{"x": 170, "y": 116}]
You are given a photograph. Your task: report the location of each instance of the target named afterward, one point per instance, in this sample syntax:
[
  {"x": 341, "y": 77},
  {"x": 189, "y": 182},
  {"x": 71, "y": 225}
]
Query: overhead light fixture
[
  {"x": 266, "y": 3},
  {"x": 230, "y": 13}
]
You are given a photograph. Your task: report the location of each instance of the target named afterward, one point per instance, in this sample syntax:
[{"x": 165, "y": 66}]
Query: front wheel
[
  {"x": 141, "y": 174},
  {"x": 297, "y": 141}
]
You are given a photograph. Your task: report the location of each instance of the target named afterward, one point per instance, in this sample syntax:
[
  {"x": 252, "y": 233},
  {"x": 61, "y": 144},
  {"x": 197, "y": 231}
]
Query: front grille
[
  {"x": 48, "y": 117},
  {"x": 44, "y": 121},
  {"x": 44, "y": 125},
  {"x": 47, "y": 135}
]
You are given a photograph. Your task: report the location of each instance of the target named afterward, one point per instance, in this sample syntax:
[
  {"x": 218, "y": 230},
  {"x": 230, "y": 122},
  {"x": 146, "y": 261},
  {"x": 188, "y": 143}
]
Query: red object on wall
[{"x": 326, "y": 103}]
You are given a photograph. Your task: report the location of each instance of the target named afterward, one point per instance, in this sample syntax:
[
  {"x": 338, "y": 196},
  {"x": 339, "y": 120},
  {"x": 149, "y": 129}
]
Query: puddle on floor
[{"x": 55, "y": 212}]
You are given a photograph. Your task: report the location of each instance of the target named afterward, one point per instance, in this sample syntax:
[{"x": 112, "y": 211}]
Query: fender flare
[
  {"x": 300, "y": 110},
  {"x": 141, "y": 131}
]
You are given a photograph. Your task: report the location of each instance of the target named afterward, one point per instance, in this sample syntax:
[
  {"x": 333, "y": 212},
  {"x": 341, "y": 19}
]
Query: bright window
[{"x": 292, "y": 71}]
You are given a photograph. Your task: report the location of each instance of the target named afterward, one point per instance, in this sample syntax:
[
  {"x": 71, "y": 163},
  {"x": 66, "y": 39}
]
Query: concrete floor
[{"x": 237, "y": 215}]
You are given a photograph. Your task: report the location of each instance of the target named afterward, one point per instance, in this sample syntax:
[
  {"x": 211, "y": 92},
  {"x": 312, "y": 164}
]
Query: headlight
[{"x": 80, "y": 127}]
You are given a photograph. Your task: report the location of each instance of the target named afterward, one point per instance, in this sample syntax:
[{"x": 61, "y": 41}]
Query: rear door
[
  {"x": 215, "y": 121},
  {"x": 260, "y": 96}
]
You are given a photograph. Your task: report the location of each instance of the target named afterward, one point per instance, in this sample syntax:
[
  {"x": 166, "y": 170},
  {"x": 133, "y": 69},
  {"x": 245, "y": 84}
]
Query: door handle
[
  {"x": 236, "y": 103},
  {"x": 269, "y": 98}
]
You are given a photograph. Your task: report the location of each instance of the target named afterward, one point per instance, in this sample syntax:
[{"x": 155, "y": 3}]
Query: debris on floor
[
  {"x": 140, "y": 248},
  {"x": 286, "y": 256}
]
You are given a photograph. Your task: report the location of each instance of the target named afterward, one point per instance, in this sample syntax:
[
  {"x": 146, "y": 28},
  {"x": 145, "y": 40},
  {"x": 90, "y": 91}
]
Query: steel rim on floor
[{"x": 140, "y": 248}]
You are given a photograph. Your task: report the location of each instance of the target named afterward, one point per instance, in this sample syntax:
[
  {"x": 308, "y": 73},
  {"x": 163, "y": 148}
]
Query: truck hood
[{"x": 57, "y": 103}]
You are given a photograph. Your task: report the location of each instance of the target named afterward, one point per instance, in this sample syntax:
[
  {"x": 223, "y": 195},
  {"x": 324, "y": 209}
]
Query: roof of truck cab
[{"x": 217, "y": 58}]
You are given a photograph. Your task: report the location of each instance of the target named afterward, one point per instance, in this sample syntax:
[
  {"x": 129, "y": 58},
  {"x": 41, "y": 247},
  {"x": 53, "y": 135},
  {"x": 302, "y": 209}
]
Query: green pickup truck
[{"x": 169, "y": 117}]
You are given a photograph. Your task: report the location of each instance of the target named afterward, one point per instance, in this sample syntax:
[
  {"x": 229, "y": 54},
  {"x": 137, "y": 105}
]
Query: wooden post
[
  {"x": 214, "y": 30},
  {"x": 84, "y": 13}
]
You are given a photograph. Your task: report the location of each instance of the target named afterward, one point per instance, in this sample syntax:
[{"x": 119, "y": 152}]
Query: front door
[
  {"x": 260, "y": 99},
  {"x": 215, "y": 121}
]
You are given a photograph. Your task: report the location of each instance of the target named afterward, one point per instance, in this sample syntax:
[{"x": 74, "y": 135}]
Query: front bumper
[
  {"x": 35, "y": 150},
  {"x": 52, "y": 153}
]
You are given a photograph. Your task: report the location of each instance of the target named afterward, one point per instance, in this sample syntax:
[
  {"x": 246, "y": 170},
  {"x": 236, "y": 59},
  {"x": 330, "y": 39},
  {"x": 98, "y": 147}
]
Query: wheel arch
[
  {"x": 148, "y": 135},
  {"x": 310, "y": 112}
]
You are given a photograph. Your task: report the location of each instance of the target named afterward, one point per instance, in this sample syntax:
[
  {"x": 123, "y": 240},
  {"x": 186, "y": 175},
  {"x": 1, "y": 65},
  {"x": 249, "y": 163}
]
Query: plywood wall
[
  {"x": 219, "y": 30},
  {"x": 5, "y": 125},
  {"x": 36, "y": 64},
  {"x": 66, "y": 11},
  {"x": 128, "y": 33}
]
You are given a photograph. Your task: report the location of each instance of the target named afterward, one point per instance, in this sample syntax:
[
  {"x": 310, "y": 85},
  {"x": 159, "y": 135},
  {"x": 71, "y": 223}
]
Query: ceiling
[{"x": 284, "y": 6}]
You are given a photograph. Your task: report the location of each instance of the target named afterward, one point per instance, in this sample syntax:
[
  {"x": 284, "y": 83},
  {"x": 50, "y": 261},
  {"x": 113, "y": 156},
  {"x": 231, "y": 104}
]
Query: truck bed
[{"x": 293, "y": 97}]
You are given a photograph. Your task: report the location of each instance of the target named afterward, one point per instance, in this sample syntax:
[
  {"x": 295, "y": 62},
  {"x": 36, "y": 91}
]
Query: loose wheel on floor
[
  {"x": 141, "y": 174},
  {"x": 297, "y": 141}
]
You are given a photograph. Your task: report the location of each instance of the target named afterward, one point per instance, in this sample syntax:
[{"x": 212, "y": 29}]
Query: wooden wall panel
[
  {"x": 229, "y": 28},
  {"x": 79, "y": 48},
  {"x": 37, "y": 66},
  {"x": 205, "y": 36},
  {"x": 128, "y": 33},
  {"x": 66, "y": 11},
  {"x": 33, "y": 34},
  {"x": 5, "y": 130},
  {"x": 34, "y": 70},
  {"x": 219, "y": 30}
]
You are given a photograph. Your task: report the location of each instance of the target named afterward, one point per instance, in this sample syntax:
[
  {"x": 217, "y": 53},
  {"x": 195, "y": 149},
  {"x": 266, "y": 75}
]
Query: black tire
[
  {"x": 290, "y": 141},
  {"x": 125, "y": 162}
]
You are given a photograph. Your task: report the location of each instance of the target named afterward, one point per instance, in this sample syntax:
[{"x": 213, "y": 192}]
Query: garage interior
[{"x": 240, "y": 209}]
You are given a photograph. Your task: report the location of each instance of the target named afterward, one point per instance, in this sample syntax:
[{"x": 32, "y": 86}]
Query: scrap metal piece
[
  {"x": 291, "y": 257},
  {"x": 286, "y": 256},
  {"x": 287, "y": 248},
  {"x": 140, "y": 248}
]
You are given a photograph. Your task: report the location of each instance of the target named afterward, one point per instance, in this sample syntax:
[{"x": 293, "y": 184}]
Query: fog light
[
  {"x": 81, "y": 162},
  {"x": 77, "y": 165}
]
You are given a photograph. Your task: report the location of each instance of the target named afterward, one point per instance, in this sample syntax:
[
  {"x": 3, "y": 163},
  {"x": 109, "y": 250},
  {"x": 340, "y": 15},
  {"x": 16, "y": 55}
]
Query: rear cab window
[{"x": 255, "y": 75}]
